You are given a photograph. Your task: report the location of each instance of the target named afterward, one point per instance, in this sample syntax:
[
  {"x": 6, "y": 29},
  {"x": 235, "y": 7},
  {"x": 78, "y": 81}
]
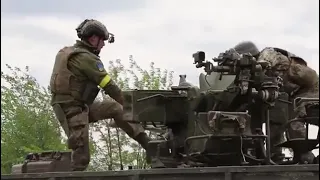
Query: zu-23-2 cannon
[
  {"x": 218, "y": 123},
  {"x": 215, "y": 127}
]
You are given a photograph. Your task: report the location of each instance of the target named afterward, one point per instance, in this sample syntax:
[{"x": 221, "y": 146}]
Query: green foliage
[
  {"x": 134, "y": 77},
  {"x": 115, "y": 146},
  {"x": 27, "y": 121}
]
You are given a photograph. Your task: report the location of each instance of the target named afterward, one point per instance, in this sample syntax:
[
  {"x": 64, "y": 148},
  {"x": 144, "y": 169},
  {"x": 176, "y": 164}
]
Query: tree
[
  {"x": 27, "y": 121},
  {"x": 114, "y": 148}
]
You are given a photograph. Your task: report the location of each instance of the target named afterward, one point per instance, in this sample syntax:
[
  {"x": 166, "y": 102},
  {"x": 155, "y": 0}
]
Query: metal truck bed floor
[{"x": 292, "y": 172}]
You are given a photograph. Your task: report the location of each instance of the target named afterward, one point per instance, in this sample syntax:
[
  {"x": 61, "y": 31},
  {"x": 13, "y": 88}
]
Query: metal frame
[
  {"x": 305, "y": 120},
  {"x": 186, "y": 143},
  {"x": 275, "y": 172}
]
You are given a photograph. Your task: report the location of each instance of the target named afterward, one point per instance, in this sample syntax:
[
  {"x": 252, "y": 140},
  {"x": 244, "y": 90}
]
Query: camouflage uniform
[
  {"x": 74, "y": 82},
  {"x": 299, "y": 81}
]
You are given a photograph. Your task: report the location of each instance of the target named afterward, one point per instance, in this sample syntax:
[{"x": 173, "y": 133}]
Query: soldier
[
  {"x": 299, "y": 81},
  {"x": 77, "y": 73}
]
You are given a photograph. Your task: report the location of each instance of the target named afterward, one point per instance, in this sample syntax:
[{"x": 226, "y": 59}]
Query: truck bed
[{"x": 273, "y": 172}]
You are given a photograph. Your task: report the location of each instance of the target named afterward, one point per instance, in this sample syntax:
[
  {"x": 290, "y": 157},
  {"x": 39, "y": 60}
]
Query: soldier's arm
[
  {"x": 94, "y": 69},
  {"x": 302, "y": 75}
]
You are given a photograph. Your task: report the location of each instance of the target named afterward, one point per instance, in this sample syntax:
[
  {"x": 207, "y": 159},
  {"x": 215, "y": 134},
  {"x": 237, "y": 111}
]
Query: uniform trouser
[
  {"x": 279, "y": 116},
  {"x": 295, "y": 129},
  {"x": 78, "y": 119}
]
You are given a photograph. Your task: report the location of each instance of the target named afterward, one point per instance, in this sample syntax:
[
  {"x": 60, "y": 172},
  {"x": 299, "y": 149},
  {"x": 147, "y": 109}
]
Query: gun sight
[{"x": 199, "y": 58}]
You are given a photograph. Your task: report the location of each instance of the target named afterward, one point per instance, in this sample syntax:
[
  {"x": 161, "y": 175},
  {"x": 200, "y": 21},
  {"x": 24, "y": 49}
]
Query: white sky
[{"x": 166, "y": 32}]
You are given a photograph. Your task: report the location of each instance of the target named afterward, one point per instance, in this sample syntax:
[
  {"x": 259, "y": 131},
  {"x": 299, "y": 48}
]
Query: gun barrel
[{"x": 221, "y": 68}]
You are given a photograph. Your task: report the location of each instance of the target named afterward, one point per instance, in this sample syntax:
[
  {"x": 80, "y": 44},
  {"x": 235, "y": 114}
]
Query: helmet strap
[{"x": 97, "y": 44}]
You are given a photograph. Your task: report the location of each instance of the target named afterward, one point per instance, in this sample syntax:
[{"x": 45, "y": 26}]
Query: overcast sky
[{"x": 164, "y": 31}]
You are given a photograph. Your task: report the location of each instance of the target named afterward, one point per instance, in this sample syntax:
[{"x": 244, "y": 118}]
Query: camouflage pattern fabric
[
  {"x": 78, "y": 119},
  {"x": 110, "y": 109},
  {"x": 299, "y": 81}
]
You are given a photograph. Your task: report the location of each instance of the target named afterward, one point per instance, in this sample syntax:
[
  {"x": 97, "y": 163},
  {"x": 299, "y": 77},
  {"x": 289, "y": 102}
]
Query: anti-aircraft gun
[
  {"x": 231, "y": 107},
  {"x": 250, "y": 88},
  {"x": 253, "y": 80},
  {"x": 212, "y": 127},
  {"x": 199, "y": 132}
]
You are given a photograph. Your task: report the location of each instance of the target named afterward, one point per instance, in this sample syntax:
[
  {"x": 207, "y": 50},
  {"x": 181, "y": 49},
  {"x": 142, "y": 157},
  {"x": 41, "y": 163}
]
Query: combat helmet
[
  {"x": 91, "y": 27},
  {"x": 247, "y": 47}
]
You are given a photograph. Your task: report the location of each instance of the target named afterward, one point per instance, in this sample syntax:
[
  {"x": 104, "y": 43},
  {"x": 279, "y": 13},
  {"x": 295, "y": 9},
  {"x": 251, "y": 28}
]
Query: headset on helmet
[{"x": 91, "y": 27}]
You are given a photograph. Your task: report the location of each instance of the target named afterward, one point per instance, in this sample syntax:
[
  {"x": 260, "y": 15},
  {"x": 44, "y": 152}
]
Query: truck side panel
[{"x": 293, "y": 172}]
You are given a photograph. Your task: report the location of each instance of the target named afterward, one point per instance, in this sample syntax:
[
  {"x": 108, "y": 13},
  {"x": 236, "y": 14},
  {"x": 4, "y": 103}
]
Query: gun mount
[
  {"x": 252, "y": 81},
  {"x": 199, "y": 132},
  {"x": 212, "y": 127},
  {"x": 201, "y": 128}
]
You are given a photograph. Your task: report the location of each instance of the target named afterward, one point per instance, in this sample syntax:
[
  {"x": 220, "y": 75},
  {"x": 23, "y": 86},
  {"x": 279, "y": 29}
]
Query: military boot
[
  {"x": 307, "y": 158},
  {"x": 316, "y": 160},
  {"x": 277, "y": 157},
  {"x": 277, "y": 137},
  {"x": 143, "y": 139}
]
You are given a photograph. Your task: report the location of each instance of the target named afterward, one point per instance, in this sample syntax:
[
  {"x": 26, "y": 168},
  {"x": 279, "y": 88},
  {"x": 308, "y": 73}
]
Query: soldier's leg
[
  {"x": 277, "y": 136},
  {"x": 78, "y": 139},
  {"x": 278, "y": 117},
  {"x": 297, "y": 129},
  {"x": 111, "y": 109}
]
